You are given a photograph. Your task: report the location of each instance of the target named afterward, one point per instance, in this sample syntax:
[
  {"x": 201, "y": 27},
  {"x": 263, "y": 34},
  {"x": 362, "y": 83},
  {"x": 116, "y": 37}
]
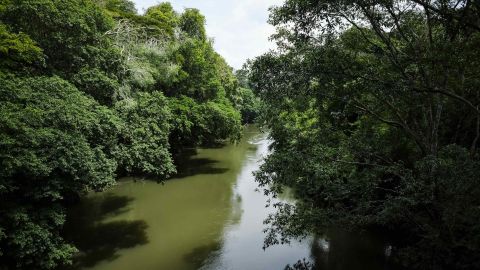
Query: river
[{"x": 208, "y": 217}]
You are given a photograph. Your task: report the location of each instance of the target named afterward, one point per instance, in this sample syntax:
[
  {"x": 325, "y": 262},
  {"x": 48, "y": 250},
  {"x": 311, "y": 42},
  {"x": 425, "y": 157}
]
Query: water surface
[{"x": 209, "y": 217}]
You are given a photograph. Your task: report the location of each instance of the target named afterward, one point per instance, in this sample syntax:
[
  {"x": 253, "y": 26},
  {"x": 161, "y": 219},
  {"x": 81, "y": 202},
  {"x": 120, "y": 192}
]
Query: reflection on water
[
  {"x": 350, "y": 251},
  {"x": 100, "y": 241},
  {"x": 208, "y": 217}
]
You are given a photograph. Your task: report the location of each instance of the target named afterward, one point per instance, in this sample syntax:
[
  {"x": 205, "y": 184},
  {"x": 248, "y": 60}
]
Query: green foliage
[
  {"x": 203, "y": 124},
  {"x": 193, "y": 24},
  {"x": 242, "y": 77},
  {"x": 97, "y": 84},
  {"x": 121, "y": 6},
  {"x": 438, "y": 200},
  {"x": 198, "y": 75},
  {"x": 18, "y": 50},
  {"x": 190, "y": 72},
  {"x": 219, "y": 121},
  {"x": 227, "y": 78},
  {"x": 375, "y": 122},
  {"x": 30, "y": 227},
  {"x": 144, "y": 147},
  {"x": 70, "y": 33},
  {"x": 187, "y": 117},
  {"x": 245, "y": 100},
  {"x": 55, "y": 142},
  {"x": 83, "y": 98},
  {"x": 248, "y": 104},
  {"x": 203, "y": 74},
  {"x": 165, "y": 15},
  {"x": 148, "y": 58}
]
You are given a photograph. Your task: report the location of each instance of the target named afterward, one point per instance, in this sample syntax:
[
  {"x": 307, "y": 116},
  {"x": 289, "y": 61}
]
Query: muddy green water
[{"x": 209, "y": 217}]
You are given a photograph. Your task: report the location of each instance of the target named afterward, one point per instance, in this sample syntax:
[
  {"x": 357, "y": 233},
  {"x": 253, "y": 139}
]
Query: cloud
[{"x": 239, "y": 27}]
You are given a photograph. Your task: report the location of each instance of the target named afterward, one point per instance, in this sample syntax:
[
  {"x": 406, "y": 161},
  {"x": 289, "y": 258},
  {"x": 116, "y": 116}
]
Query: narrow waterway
[{"x": 209, "y": 217}]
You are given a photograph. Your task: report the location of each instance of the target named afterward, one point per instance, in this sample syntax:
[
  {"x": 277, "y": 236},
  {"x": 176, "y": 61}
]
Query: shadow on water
[
  {"x": 199, "y": 254},
  {"x": 189, "y": 165},
  {"x": 349, "y": 251},
  {"x": 97, "y": 240}
]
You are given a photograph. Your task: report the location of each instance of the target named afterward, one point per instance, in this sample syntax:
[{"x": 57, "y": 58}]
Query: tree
[
  {"x": 417, "y": 45},
  {"x": 97, "y": 84},
  {"x": 165, "y": 15},
  {"x": 70, "y": 33},
  {"x": 121, "y": 6},
  {"x": 85, "y": 98},
  {"x": 144, "y": 147},
  {"x": 56, "y": 143},
  {"x": 373, "y": 110},
  {"x": 18, "y": 51},
  {"x": 248, "y": 104},
  {"x": 193, "y": 24}
]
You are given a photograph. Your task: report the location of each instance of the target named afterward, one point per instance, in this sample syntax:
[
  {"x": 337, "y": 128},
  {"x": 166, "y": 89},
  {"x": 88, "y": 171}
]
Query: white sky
[{"x": 239, "y": 27}]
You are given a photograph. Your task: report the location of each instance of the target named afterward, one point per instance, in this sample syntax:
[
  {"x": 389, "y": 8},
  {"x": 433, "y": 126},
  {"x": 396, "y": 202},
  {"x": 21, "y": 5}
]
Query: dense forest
[
  {"x": 374, "y": 109},
  {"x": 91, "y": 91}
]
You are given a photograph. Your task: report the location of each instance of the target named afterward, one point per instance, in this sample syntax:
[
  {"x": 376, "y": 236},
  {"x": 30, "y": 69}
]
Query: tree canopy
[
  {"x": 373, "y": 107},
  {"x": 91, "y": 91}
]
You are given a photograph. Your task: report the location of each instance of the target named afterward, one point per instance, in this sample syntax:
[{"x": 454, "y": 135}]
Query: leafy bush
[
  {"x": 97, "y": 84},
  {"x": 203, "y": 123},
  {"x": 248, "y": 104},
  {"x": 219, "y": 121},
  {"x": 18, "y": 50},
  {"x": 144, "y": 147}
]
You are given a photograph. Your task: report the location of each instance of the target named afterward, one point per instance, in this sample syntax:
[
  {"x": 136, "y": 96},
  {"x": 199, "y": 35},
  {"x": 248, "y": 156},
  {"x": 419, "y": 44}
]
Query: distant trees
[
  {"x": 90, "y": 90},
  {"x": 373, "y": 108},
  {"x": 249, "y": 104}
]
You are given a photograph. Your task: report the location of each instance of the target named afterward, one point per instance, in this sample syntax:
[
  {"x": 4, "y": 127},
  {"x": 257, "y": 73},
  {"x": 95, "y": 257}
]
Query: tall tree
[
  {"x": 165, "y": 15},
  {"x": 373, "y": 107},
  {"x": 193, "y": 23}
]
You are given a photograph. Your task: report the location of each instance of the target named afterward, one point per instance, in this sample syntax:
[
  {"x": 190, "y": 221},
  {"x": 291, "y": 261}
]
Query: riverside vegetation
[
  {"x": 374, "y": 109},
  {"x": 90, "y": 91}
]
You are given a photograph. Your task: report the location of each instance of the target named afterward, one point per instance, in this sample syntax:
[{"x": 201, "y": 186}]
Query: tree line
[
  {"x": 90, "y": 91},
  {"x": 373, "y": 107}
]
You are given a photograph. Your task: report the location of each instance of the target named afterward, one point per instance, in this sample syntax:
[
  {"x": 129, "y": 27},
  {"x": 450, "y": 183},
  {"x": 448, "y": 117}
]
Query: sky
[{"x": 239, "y": 27}]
